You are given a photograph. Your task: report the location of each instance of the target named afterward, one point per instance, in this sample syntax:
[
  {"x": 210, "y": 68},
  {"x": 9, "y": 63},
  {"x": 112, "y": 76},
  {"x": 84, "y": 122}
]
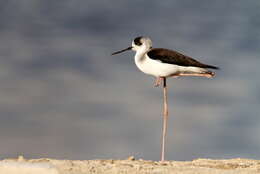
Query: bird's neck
[{"x": 140, "y": 55}]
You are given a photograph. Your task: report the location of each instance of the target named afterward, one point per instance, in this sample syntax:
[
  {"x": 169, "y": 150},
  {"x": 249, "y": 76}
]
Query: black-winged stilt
[{"x": 163, "y": 63}]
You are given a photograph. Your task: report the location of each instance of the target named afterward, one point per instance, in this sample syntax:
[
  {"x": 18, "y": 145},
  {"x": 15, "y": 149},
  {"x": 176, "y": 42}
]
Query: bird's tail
[{"x": 210, "y": 66}]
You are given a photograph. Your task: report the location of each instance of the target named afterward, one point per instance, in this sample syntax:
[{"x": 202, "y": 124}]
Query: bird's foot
[{"x": 210, "y": 74}]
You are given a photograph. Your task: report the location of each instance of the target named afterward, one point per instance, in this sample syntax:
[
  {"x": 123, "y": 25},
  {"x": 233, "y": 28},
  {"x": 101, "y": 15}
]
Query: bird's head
[{"x": 140, "y": 43}]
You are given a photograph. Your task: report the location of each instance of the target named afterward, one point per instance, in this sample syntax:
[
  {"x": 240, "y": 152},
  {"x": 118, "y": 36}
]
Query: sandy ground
[{"x": 127, "y": 166}]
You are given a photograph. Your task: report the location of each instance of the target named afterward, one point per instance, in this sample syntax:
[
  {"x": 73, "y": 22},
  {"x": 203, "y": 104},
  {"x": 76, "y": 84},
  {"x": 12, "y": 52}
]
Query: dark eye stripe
[{"x": 137, "y": 41}]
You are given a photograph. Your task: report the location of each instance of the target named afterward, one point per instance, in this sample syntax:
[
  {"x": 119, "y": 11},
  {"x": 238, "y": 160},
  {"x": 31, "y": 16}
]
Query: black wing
[{"x": 174, "y": 57}]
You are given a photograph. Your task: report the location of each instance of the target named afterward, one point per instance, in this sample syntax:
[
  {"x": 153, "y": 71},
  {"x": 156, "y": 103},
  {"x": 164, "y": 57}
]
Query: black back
[{"x": 176, "y": 58}]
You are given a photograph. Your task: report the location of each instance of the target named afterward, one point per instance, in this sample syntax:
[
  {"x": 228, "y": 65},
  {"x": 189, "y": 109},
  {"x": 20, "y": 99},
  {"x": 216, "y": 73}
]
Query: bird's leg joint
[{"x": 158, "y": 81}]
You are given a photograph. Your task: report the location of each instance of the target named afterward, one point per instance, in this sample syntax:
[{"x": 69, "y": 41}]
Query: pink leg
[
  {"x": 165, "y": 117},
  {"x": 208, "y": 75}
]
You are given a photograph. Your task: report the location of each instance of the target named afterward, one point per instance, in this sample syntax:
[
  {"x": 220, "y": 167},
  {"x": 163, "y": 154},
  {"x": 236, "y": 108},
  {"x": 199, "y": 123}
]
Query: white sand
[
  {"x": 128, "y": 166},
  {"x": 14, "y": 167}
]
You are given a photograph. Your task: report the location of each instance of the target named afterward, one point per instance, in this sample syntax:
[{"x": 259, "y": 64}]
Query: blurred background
[{"x": 62, "y": 94}]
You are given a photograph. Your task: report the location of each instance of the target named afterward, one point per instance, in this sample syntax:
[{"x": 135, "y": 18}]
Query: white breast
[{"x": 155, "y": 67}]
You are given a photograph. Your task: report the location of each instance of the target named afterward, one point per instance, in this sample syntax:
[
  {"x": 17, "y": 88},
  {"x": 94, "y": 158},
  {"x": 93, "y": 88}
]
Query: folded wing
[{"x": 176, "y": 58}]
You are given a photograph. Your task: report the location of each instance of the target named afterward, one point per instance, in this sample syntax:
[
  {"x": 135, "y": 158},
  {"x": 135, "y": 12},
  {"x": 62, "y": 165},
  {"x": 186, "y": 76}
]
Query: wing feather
[{"x": 174, "y": 57}]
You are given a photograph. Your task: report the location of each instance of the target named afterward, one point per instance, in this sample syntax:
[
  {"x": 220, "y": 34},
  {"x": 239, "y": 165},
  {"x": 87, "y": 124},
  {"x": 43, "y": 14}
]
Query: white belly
[{"x": 156, "y": 68}]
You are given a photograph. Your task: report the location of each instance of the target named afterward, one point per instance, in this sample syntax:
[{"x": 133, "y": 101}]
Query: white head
[{"x": 139, "y": 44}]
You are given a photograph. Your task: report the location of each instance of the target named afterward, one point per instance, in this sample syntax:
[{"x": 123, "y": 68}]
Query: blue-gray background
[{"x": 62, "y": 94}]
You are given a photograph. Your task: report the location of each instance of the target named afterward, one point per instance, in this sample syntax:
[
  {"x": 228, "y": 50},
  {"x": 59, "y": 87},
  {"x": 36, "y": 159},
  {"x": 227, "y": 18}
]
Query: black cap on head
[{"x": 137, "y": 40}]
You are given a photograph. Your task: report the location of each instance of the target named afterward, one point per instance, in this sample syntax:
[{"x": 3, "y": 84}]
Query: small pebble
[
  {"x": 131, "y": 158},
  {"x": 20, "y": 158}
]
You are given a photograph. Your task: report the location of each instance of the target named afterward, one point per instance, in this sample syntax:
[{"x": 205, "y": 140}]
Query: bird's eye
[{"x": 137, "y": 41}]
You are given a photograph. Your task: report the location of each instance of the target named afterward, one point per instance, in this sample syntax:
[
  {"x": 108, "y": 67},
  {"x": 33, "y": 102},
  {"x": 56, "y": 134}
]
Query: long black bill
[{"x": 129, "y": 48}]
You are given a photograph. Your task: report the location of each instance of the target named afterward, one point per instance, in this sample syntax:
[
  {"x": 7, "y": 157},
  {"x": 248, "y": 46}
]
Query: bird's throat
[{"x": 139, "y": 57}]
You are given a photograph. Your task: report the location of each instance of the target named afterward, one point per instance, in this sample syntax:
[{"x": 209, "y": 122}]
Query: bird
[{"x": 162, "y": 62}]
